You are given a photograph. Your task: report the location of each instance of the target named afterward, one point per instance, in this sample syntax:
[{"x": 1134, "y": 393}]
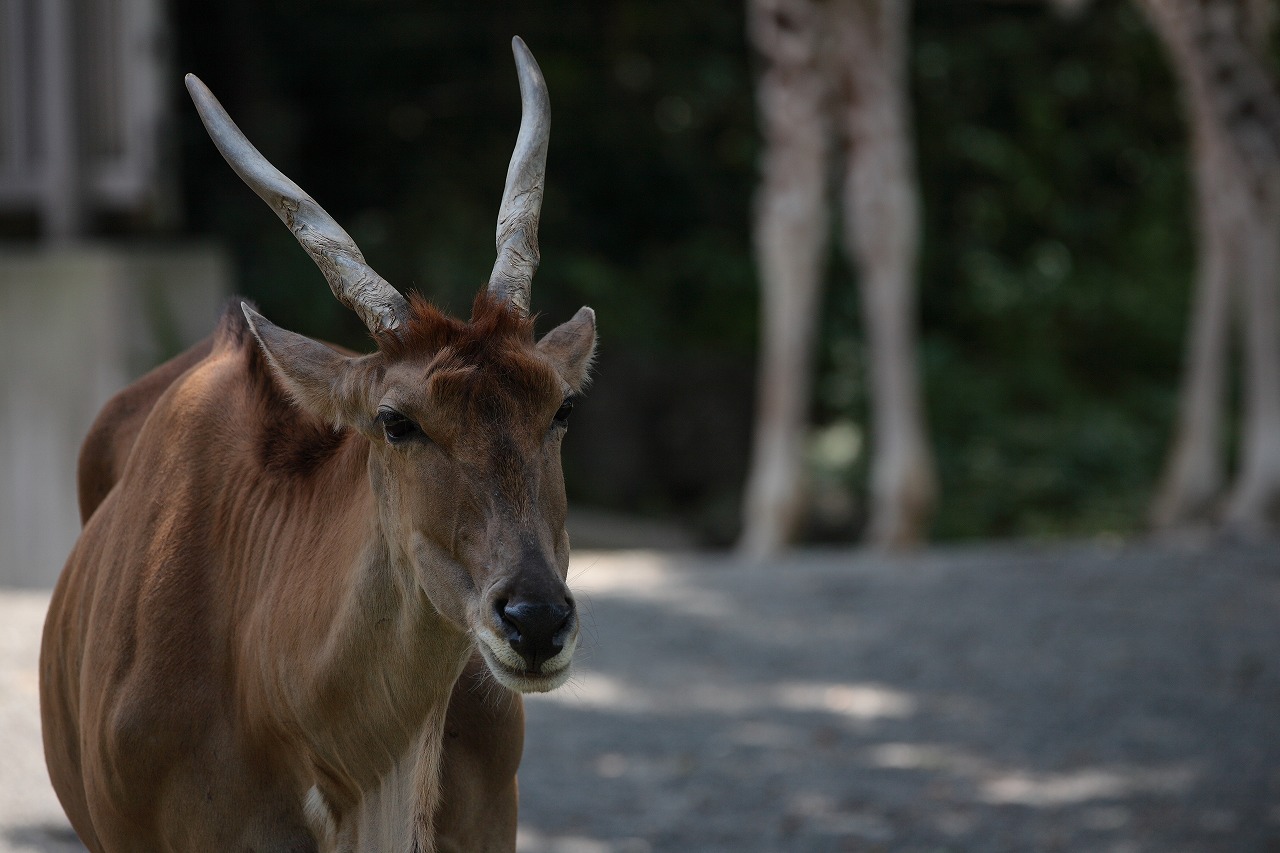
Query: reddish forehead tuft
[
  {"x": 490, "y": 358},
  {"x": 429, "y": 330}
]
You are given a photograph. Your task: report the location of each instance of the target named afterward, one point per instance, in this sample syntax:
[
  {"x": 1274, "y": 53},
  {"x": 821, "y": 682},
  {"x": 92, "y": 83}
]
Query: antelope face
[
  {"x": 465, "y": 424},
  {"x": 467, "y": 471},
  {"x": 464, "y": 420}
]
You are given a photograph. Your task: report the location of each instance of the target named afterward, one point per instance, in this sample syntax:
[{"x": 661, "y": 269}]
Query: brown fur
[
  {"x": 111, "y": 437},
  {"x": 473, "y": 365},
  {"x": 219, "y": 641}
]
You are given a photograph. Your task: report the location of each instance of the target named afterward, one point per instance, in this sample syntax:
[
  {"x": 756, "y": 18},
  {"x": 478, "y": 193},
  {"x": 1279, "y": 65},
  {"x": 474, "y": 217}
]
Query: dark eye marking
[
  {"x": 562, "y": 414},
  {"x": 397, "y": 427}
]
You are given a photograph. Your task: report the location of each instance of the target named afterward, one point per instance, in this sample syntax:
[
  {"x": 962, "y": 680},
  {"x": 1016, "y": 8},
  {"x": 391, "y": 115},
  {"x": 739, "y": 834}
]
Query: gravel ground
[{"x": 1003, "y": 698}]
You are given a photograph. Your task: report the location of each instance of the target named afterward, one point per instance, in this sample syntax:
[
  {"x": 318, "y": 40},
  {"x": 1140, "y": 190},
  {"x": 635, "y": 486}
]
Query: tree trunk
[
  {"x": 881, "y": 237},
  {"x": 1217, "y": 48},
  {"x": 1255, "y": 497},
  {"x": 1195, "y": 472},
  {"x": 791, "y": 229}
]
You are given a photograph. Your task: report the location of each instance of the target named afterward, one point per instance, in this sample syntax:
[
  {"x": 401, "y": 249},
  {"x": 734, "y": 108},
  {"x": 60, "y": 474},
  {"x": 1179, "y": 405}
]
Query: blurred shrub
[
  {"x": 1054, "y": 271},
  {"x": 1056, "y": 266}
]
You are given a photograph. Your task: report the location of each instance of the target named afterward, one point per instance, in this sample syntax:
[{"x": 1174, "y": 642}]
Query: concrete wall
[{"x": 76, "y": 325}]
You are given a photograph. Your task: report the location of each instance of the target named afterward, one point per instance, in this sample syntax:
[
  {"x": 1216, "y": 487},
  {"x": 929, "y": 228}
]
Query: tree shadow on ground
[{"x": 1083, "y": 699}]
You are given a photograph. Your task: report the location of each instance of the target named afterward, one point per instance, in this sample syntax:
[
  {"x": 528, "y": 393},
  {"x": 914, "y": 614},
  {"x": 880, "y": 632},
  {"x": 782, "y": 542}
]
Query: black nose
[{"x": 536, "y": 630}]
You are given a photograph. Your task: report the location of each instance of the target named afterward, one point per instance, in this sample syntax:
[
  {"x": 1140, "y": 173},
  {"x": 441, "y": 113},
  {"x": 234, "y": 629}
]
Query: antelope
[{"x": 311, "y": 585}]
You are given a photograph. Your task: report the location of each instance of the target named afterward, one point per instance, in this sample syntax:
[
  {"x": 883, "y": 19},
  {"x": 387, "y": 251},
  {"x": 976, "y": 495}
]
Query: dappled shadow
[{"x": 1004, "y": 699}]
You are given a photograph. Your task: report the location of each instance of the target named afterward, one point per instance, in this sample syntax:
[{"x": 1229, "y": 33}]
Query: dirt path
[{"x": 991, "y": 699}]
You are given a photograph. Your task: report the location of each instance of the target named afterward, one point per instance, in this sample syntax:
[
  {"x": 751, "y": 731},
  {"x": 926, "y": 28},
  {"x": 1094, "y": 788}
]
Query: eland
[{"x": 311, "y": 585}]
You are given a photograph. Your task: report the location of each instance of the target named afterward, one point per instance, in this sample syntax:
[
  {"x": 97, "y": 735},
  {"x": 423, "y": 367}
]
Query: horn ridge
[
  {"x": 379, "y": 305},
  {"x": 518, "y": 216}
]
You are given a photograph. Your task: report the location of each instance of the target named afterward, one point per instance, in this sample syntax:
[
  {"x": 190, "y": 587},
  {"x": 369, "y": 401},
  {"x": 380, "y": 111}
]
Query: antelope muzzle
[
  {"x": 537, "y": 630},
  {"x": 533, "y": 629}
]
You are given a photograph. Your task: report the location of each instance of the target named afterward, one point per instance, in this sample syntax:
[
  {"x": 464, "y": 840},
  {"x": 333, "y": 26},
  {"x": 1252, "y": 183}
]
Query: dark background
[{"x": 1056, "y": 257}]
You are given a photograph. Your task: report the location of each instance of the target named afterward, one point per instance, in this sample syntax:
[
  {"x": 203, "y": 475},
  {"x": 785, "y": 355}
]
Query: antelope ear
[
  {"x": 315, "y": 376},
  {"x": 571, "y": 346}
]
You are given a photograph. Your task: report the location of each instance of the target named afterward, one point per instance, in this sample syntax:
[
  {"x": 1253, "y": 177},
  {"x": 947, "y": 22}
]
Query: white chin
[{"x": 519, "y": 681}]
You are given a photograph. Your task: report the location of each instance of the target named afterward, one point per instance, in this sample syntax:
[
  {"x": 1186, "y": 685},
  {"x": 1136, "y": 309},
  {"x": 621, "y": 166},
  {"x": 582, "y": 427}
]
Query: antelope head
[{"x": 464, "y": 421}]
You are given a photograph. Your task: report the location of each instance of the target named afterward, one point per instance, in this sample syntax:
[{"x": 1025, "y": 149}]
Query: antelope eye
[
  {"x": 562, "y": 414},
  {"x": 397, "y": 427}
]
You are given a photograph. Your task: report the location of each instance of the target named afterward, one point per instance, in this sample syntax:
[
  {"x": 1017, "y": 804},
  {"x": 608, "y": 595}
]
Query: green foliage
[
  {"x": 1055, "y": 263},
  {"x": 1055, "y": 269}
]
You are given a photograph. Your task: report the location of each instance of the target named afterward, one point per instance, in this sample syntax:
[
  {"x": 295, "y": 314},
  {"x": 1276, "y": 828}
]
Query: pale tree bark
[
  {"x": 1194, "y": 477},
  {"x": 1254, "y": 501},
  {"x": 791, "y": 228},
  {"x": 1217, "y": 48},
  {"x": 850, "y": 55},
  {"x": 881, "y": 236}
]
